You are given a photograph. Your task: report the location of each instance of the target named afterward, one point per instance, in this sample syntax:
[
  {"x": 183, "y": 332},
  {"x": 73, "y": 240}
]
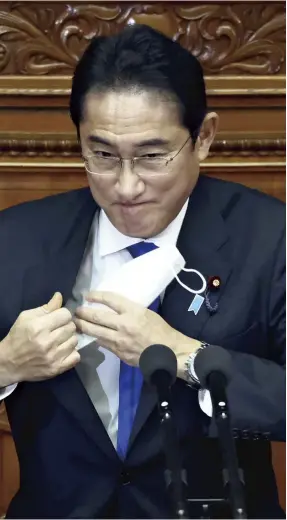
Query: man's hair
[{"x": 144, "y": 60}]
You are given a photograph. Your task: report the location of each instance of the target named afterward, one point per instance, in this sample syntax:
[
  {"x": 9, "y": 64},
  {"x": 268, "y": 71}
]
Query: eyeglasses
[{"x": 144, "y": 166}]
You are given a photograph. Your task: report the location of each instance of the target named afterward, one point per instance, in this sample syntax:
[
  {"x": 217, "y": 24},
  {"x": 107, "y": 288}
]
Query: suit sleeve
[{"x": 257, "y": 392}]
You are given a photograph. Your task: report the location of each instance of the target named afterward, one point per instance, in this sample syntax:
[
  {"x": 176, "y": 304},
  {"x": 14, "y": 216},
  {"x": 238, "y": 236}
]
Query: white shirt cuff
[
  {"x": 204, "y": 397},
  {"x": 205, "y": 403},
  {"x": 7, "y": 390}
]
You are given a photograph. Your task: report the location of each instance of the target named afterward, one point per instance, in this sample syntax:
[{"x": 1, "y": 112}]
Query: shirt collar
[{"x": 111, "y": 240}]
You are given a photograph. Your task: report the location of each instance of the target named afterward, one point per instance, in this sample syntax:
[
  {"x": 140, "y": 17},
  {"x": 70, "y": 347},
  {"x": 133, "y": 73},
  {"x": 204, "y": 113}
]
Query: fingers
[
  {"x": 114, "y": 301},
  {"x": 56, "y": 319},
  {"x": 70, "y": 362},
  {"x": 66, "y": 349},
  {"x": 98, "y": 316},
  {"x": 104, "y": 336},
  {"x": 55, "y": 303},
  {"x": 68, "y": 356},
  {"x": 62, "y": 334}
]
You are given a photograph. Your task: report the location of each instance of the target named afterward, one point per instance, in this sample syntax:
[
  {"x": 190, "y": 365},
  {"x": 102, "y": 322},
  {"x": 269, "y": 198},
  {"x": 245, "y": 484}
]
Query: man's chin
[
  {"x": 131, "y": 228},
  {"x": 136, "y": 232},
  {"x": 138, "y": 224}
]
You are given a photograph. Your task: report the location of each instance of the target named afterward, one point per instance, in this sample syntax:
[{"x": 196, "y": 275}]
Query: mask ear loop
[{"x": 204, "y": 284}]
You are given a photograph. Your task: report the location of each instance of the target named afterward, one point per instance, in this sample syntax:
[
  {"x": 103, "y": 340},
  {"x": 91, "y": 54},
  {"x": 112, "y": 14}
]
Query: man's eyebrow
[
  {"x": 93, "y": 138},
  {"x": 152, "y": 142},
  {"x": 99, "y": 140}
]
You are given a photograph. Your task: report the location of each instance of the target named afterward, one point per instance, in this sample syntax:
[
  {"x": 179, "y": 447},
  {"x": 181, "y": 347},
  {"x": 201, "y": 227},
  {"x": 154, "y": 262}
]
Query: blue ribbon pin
[{"x": 196, "y": 304}]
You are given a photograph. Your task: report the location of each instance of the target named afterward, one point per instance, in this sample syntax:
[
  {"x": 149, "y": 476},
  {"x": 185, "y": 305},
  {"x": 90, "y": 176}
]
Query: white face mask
[{"x": 144, "y": 278}]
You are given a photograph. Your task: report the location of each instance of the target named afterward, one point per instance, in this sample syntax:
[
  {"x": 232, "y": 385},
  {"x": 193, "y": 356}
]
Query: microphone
[
  {"x": 158, "y": 364},
  {"x": 214, "y": 368},
  {"x": 213, "y": 359}
]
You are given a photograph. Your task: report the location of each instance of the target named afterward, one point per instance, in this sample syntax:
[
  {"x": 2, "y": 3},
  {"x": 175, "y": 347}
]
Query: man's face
[{"x": 132, "y": 125}]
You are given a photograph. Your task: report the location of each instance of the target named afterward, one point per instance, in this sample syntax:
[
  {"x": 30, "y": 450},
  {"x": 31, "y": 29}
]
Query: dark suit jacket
[{"x": 69, "y": 468}]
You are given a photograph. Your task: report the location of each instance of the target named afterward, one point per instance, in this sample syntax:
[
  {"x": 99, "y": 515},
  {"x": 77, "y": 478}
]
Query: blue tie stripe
[{"x": 130, "y": 382}]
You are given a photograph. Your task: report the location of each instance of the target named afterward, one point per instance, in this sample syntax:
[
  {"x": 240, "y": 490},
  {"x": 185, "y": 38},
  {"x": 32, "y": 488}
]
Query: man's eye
[
  {"x": 152, "y": 156},
  {"x": 103, "y": 154}
]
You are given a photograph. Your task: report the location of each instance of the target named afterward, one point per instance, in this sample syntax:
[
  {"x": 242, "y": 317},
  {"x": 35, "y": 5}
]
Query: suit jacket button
[{"x": 125, "y": 478}]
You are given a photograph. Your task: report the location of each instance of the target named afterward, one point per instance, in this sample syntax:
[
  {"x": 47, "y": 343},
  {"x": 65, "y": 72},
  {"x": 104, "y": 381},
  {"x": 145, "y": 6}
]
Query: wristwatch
[{"x": 191, "y": 377}]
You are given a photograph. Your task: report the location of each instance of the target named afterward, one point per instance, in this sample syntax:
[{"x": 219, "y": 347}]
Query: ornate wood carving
[
  {"x": 48, "y": 38},
  {"x": 16, "y": 89},
  {"x": 67, "y": 146}
]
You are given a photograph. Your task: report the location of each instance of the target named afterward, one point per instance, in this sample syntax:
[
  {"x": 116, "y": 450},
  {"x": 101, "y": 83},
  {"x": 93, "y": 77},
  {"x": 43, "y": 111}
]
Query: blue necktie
[{"x": 130, "y": 382}]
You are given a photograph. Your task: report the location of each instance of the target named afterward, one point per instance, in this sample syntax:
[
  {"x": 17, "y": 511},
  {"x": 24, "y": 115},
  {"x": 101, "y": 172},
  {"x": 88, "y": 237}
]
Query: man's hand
[
  {"x": 40, "y": 345},
  {"x": 130, "y": 329}
]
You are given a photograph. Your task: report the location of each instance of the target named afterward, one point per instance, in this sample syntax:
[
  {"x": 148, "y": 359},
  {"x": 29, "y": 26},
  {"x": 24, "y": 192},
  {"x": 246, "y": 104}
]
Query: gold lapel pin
[{"x": 214, "y": 283}]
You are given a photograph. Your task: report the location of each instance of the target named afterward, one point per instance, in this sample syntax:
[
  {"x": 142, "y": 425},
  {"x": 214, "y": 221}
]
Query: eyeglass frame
[{"x": 133, "y": 159}]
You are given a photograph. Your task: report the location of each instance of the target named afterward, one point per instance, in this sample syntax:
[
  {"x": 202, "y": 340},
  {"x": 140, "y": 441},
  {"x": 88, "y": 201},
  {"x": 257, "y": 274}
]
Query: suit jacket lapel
[
  {"x": 203, "y": 242},
  {"x": 58, "y": 272},
  {"x": 71, "y": 394},
  {"x": 58, "y": 268}
]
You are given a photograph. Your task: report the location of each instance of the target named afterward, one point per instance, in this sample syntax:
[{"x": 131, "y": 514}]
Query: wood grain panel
[{"x": 9, "y": 468}]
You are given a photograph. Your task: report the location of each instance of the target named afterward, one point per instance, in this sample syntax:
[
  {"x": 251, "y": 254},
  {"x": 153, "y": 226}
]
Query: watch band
[{"x": 192, "y": 379}]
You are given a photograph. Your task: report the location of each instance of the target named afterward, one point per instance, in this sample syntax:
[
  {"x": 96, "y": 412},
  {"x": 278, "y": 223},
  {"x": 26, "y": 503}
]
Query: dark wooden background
[{"x": 242, "y": 49}]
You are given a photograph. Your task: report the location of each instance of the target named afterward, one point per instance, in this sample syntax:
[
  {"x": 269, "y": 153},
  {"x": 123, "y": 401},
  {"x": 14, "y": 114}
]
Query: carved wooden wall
[{"x": 242, "y": 49}]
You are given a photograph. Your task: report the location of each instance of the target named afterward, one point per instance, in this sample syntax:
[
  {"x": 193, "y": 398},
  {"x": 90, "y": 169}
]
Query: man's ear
[{"x": 206, "y": 135}]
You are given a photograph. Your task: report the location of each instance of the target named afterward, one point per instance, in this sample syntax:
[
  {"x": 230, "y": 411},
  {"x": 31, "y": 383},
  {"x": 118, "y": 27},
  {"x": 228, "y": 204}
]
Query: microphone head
[
  {"x": 213, "y": 359},
  {"x": 158, "y": 358}
]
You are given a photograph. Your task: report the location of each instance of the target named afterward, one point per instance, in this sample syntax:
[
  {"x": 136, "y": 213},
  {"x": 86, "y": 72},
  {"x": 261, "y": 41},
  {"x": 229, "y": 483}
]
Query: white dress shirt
[{"x": 99, "y": 368}]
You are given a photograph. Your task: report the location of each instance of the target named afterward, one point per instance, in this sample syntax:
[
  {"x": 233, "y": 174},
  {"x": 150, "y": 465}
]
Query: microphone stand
[
  {"x": 174, "y": 474},
  {"x": 216, "y": 384}
]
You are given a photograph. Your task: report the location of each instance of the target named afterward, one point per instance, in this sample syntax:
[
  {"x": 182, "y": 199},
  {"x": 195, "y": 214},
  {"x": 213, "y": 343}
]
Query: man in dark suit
[{"x": 85, "y": 426}]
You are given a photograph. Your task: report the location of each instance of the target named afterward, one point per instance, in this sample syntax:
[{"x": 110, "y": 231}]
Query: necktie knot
[{"x": 141, "y": 248}]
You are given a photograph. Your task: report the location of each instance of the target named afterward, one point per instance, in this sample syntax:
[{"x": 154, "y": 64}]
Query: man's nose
[{"x": 128, "y": 185}]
